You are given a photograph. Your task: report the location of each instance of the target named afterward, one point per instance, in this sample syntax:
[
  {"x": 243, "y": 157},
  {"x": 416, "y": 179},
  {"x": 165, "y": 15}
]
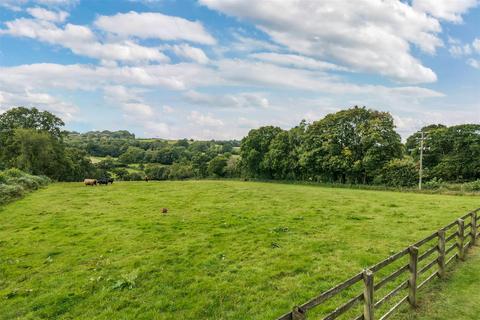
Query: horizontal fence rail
[{"x": 464, "y": 232}]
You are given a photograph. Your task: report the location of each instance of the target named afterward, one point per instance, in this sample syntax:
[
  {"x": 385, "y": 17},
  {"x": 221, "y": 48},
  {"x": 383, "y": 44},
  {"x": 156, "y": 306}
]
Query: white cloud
[
  {"x": 241, "y": 100},
  {"x": 476, "y": 45},
  {"x": 168, "y": 109},
  {"x": 48, "y": 15},
  {"x": 149, "y": 25},
  {"x": 206, "y": 120},
  {"x": 81, "y": 40},
  {"x": 293, "y": 60},
  {"x": 190, "y": 53},
  {"x": 10, "y": 97},
  {"x": 474, "y": 63},
  {"x": 367, "y": 35},
  {"x": 17, "y": 5},
  {"x": 459, "y": 50},
  {"x": 57, "y": 2},
  {"x": 449, "y": 10},
  {"x": 247, "y": 44}
]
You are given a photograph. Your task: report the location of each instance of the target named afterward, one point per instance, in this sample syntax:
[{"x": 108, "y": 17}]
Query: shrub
[
  {"x": 472, "y": 186},
  {"x": 180, "y": 171},
  {"x": 216, "y": 166},
  {"x": 134, "y": 176},
  {"x": 14, "y": 173},
  {"x": 10, "y": 192},
  {"x": 26, "y": 182},
  {"x": 14, "y": 183},
  {"x": 398, "y": 173},
  {"x": 434, "y": 183},
  {"x": 157, "y": 172}
]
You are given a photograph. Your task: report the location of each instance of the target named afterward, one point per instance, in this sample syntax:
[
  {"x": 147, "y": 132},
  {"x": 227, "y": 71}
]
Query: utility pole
[{"x": 420, "y": 172}]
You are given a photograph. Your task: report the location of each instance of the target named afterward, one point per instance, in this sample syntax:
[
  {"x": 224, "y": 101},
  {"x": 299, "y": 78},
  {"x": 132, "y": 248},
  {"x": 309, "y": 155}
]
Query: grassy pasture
[{"x": 225, "y": 250}]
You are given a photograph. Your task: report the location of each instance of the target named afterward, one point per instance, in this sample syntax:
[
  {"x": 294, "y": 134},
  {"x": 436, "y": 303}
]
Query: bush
[
  {"x": 398, "y": 173},
  {"x": 216, "y": 166},
  {"x": 434, "y": 183},
  {"x": 180, "y": 171},
  {"x": 14, "y": 173},
  {"x": 134, "y": 176},
  {"x": 472, "y": 186},
  {"x": 10, "y": 192},
  {"x": 157, "y": 172},
  {"x": 14, "y": 183}
]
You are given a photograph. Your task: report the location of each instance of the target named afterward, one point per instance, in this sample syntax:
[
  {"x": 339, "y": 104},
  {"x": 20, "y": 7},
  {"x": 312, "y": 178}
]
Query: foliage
[
  {"x": 434, "y": 183},
  {"x": 132, "y": 155},
  {"x": 451, "y": 153},
  {"x": 222, "y": 252},
  {"x": 133, "y": 176},
  {"x": 217, "y": 166},
  {"x": 14, "y": 183},
  {"x": 254, "y": 148},
  {"x": 157, "y": 172},
  {"x": 472, "y": 186},
  {"x": 180, "y": 171},
  {"x": 398, "y": 173}
]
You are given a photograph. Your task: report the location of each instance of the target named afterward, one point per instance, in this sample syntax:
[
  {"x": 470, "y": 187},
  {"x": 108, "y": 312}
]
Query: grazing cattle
[
  {"x": 164, "y": 210},
  {"x": 102, "y": 181},
  {"x": 90, "y": 182},
  {"x": 146, "y": 178},
  {"x": 110, "y": 180}
]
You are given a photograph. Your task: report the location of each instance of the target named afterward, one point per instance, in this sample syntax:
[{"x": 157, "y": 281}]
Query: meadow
[{"x": 224, "y": 250}]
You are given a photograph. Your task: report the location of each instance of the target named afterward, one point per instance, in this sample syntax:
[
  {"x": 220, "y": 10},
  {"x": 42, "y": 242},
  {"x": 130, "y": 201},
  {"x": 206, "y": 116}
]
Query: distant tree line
[
  {"x": 353, "y": 146},
  {"x": 360, "y": 146}
]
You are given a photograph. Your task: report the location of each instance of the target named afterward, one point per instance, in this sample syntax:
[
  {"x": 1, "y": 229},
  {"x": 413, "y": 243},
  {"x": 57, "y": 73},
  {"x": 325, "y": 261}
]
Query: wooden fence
[{"x": 463, "y": 232}]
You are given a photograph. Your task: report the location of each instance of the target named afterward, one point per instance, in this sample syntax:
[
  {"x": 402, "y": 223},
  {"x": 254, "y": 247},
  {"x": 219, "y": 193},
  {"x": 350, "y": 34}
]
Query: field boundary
[{"x": 464, "y": 236}]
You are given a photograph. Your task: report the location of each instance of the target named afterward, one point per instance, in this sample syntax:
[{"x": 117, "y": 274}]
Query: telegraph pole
[{"x": 420, "y": 172}]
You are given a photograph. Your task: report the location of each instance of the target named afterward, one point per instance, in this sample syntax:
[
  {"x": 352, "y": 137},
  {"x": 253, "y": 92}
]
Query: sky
[{"x": 214, "y": 69}]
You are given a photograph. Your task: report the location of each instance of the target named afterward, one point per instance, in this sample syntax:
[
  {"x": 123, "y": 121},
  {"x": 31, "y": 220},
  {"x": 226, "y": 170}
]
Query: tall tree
[
  {"x": 254, "y": 147},
  {"x": 350, "y": 145}
]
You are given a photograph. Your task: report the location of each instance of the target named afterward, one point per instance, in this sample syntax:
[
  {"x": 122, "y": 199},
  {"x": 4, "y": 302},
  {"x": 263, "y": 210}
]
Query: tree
[
  {"x": 398, "y": 173},
  {"x": 284, "y": 153},
  {"x": 157, "y": 172},
  {"x": 217, "y": 166},
  {"x": 132, "y": 155},
  {"x": 36, "y": 152},
  {"x": 25, "y": 118},
  {"x": 451, "y": 153},
  {"x": 254, "y": 147},
  {"x": 350, "y": 146}
]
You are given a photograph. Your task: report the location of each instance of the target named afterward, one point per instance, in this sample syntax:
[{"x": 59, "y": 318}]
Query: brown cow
[{"x": 90, "y": 182}]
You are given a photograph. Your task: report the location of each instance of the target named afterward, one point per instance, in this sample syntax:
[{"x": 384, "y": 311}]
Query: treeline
[
  {"x": 128, "y": 158},
  {"x": 33, "y": 141},
  {"x": 361, "y": 146},
  {"x": 353, "y": 146}
]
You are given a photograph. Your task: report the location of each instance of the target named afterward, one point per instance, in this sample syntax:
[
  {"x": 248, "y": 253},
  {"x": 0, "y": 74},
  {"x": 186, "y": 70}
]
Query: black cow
[
  {"x": 102, "y": 181},
  {"x": 110, "y": 180}
]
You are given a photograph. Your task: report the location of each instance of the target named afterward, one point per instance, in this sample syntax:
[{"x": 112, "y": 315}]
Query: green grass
[
  {"x": 95, "y": 159},
  {"x": 455, "y": 298},
  {"x": 225, "y": 249}
]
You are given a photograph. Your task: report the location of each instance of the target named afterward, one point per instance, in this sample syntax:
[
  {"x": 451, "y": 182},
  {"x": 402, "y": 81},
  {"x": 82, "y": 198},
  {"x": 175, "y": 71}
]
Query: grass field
[
  {"x": 224, "y": 250},
  {"x": 455, "y": 298}
]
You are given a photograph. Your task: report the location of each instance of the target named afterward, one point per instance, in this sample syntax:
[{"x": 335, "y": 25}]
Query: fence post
[
  {"x": 412, "y": 281},
  {"x": 474, "y": 228},
  {"x": 441, "y": 253},
  {"x": 298, "y": 314},
  {"x": 368, "y": 306},
  {"x": 461, "y": 239}
]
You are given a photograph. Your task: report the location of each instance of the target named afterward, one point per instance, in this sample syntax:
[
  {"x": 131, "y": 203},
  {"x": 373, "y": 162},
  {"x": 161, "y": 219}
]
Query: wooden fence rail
[{"x": 465, "y": 236}]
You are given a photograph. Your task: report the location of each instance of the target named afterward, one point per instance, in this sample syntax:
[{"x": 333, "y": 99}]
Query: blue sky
[{"x": 217, "y": 68}]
